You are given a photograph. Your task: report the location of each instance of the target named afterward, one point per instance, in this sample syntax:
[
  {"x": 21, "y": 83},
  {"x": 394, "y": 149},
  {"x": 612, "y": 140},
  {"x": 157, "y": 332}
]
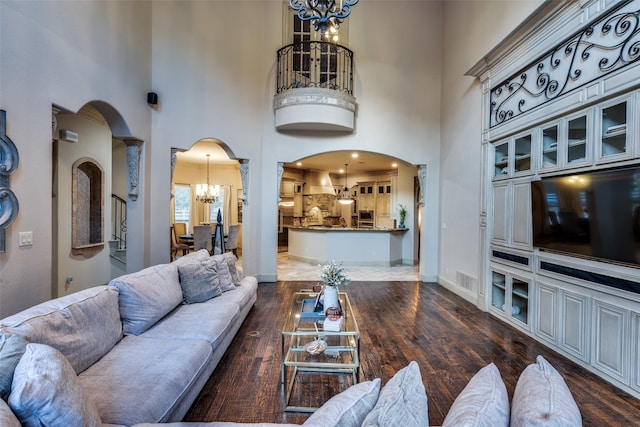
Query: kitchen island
[{"x": 352, "y": 246}]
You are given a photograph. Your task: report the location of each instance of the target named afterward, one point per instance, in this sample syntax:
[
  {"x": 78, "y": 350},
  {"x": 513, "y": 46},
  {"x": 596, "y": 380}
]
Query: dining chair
[
  {"x": 202, "y": 238},
  {"x": 180, "y": 229},
  {"x": 175, "y": 246},
  {"x": 231, "y": 241}
]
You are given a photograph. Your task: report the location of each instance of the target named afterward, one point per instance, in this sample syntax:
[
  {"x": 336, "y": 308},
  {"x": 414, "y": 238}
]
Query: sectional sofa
[{"x": 138, "y": 351}]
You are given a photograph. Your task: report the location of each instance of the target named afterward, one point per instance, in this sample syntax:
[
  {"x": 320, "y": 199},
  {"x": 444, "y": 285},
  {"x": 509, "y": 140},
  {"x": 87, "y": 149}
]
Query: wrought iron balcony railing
[{"x": 315, "y": 64}]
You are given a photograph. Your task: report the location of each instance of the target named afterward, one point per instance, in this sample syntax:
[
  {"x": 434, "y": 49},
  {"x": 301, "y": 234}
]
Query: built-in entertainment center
[{"x": 560, "y": 219}]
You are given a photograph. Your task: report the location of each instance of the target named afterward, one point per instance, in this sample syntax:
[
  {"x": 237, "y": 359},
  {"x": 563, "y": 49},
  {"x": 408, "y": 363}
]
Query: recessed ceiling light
[
  {"x": 354, "y": 155},
  {"x": 299, "y": 164},
  {"x": 394, "y": 165},
  {"x": 341, "y": 171}
]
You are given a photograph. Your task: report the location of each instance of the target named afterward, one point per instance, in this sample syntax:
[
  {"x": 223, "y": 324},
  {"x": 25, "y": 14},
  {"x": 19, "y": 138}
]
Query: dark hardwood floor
[{"x": 399, "y": 322}]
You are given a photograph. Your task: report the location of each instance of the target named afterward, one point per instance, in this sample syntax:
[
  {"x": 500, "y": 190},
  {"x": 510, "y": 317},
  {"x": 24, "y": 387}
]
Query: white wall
[
  {"x": 94, "y": 141},
  {"x": 64, "y": 53},
  {"x": 484, "y": 24},
  {"x": 213, "y": 67}
]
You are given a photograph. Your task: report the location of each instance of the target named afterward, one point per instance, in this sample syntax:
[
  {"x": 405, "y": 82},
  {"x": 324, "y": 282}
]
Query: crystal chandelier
[
  {"x": 323, "y": 14},
  {"x": 207, "y": 193},
  {"x": 344, "y": 196}
]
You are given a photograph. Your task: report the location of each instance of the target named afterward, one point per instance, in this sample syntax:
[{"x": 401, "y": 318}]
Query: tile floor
[{"x": 297, "y": 270}]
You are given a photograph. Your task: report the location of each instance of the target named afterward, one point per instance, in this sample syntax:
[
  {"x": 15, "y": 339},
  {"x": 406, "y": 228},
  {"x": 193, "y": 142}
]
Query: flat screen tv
[{"x": 591, "y": 214}]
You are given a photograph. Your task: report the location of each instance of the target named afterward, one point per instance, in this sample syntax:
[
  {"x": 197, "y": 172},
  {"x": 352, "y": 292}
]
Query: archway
[
  {"x": 378, "y": 185},
  {"x": 190, "y": 169},
  {"x": 93, "y": 134}
]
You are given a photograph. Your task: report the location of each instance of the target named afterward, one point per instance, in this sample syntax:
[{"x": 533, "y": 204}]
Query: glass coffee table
[{"x": 303, "y": 326}]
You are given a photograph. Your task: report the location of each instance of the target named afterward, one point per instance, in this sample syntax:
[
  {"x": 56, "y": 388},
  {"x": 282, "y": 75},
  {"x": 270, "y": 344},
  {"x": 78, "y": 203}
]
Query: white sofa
[{"x": 140, "y": 353}]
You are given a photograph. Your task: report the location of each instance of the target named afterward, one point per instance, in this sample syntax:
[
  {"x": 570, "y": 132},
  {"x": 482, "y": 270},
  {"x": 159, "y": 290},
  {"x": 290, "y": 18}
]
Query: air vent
[{"x": 466, "y": 281}]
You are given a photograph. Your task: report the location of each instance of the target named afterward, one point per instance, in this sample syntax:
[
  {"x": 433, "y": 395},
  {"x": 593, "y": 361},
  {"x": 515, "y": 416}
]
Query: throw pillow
[
  {"x": 542, "y": 398},
  {"x": 348, "y": 408},
  {"x": 226, "y": 281},
  {"x": 11, "y": 350},
  {"x": 402, "y": 401},
  {"x": 231, "y": 260},
  {"x": 147, "y": 296},
  {"x": 46, "y": 391},
  {"x": 484, "y": 402},
  {"x": 7, "y": 417},
  {"x": 199, "y": 281}
]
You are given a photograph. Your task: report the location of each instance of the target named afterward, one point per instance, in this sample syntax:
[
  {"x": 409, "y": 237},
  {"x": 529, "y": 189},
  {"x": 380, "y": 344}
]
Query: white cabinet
[
  {"x": 549, "y": 146},
  {"x": 574, "y": 316},
  {"x": 577, "y": 150},
  {"x": 547, "y": 324},
  {"x": 614, "y": 130},
  {"x": 610, "y": 340},
  {"x": 635, "y": 343},
  {"x": 562, "y": 319},
  {"x": 510, "y": 297},
  {"x": 512, "y": 214},
  {"x": 512, "y": 157},
  {"x": 366, "y": 196}
]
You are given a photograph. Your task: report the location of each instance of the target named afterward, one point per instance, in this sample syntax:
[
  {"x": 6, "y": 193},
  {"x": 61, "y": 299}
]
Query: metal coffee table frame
[{"x": 341, "y": 357}]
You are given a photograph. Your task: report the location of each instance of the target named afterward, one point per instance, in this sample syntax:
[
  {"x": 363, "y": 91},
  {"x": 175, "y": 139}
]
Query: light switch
[{"x": 26, "y": 238}]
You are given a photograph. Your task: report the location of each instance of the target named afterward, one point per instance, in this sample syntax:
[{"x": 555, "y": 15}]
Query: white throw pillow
[
  {"x": 484, "y": 402},
  {"x": 224, "y": 274},
  {"x": 46, "y": 391},
  {"x": 542, "y": 398},
  {"x": 347, "y": 409},
  {"x": 402, "y": 401}
]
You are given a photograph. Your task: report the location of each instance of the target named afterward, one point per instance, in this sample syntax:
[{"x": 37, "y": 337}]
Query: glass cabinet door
[
  {"x": 501, "y": 160},
  {"x": 577, "y": 140},
  {"x": 520, "y": 300},
  {"x": 613, "y": 130},
  {"x": 498, "y": 290},
  {"x": 522, "y": 154},
  {"x": 550, "y": 147}
]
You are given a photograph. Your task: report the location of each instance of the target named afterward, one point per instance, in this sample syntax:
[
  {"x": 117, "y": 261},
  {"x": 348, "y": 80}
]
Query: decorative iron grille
[
  {"x": 316, "y": 64},
  {"x": 602, "y": 47}
]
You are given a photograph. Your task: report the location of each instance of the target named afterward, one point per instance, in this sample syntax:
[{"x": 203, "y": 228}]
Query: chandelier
[
  {"x": 344, "y": 196},
  {"x": 207, "y": 193},
  {"x": 323, "y": 14}
]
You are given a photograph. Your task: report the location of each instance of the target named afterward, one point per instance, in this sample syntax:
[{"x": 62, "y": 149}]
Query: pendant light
[{"x": 344, "y": 196}]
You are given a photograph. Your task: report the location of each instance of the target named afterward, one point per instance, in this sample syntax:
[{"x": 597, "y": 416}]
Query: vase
[{"x": 330, "y": 297}]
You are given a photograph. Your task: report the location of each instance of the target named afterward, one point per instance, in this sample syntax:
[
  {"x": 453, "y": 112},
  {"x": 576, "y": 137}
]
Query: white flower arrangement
[{"x": 333, "y": 274}]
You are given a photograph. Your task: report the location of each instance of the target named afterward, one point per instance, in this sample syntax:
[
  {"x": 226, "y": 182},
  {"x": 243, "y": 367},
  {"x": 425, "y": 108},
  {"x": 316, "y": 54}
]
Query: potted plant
[
  {"x": 333, "y": 275},
  {"x": 403, "y": 215}
]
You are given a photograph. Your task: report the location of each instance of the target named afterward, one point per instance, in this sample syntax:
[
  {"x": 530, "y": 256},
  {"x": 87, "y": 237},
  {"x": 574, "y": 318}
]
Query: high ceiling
[{"x": 333, "y": 162}]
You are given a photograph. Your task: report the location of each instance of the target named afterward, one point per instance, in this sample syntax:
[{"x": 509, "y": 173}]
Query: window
[
  {"x": 213, "y": 207},
  {"x": 314, "y": 63},
  {"x": 182, "y": 203}
]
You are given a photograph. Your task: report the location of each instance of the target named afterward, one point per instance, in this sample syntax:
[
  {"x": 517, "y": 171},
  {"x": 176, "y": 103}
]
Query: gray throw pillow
[
  {"x": 46, "y": 391},
  {"x": 402, "y": 401},
  {"x": 542, "y": 398},
  {"x": 11, "y": 350},
  {"x": 484, "y": 402},
  {"x": 347, "y": 409},
  {"x": 231, "y": 260},
  {"x": 199, "y": 281},
  {"x": 226, "y": 280}
]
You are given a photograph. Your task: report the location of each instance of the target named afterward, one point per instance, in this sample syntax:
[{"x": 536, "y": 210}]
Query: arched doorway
[
  {"x": 378, "y": 185},
  {"x": 191, "y": 169},
  {"x": 89, "y": 167}
]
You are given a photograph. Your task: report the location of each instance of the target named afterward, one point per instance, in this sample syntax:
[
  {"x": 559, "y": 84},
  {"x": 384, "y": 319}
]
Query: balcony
[{"x": 314, "y": 88}]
